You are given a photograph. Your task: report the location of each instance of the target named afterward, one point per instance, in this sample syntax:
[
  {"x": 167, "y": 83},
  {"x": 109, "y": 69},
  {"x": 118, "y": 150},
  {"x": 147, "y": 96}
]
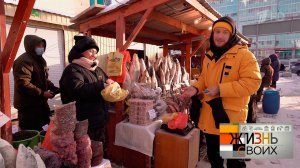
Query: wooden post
[
  {"x": 188, "y": 56},
  {"x": 165, "y": 49},
  {"x": 8, "y": 55},
  {"x": 88, "y": 33},
  {"x": 120, "y": 32},
  {"x": 2, "y": 43},
  {"x": 182, "y": 57}
]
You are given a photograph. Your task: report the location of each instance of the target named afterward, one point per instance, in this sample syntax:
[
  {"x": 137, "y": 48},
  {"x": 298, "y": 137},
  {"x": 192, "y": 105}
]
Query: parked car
[{"x": 296, "y": 68}]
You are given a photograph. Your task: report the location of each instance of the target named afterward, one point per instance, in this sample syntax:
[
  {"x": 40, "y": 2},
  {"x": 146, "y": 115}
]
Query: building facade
[{"x": 273, "y": 25}]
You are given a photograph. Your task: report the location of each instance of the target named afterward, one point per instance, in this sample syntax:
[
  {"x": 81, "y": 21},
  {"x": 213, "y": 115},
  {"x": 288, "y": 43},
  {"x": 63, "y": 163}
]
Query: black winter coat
[
  {"x": 275, "y": 64},
  {"x": 84, "y": 86}
]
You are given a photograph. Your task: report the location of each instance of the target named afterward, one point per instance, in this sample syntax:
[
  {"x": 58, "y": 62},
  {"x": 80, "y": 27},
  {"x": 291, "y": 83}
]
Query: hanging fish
[
  {"x": 147, "y": 63},
  {"x": 154, "y": 83},
  {"x": 157, "y": 63},
  {"x": 134, "y": 69},
  {"x": 172, "y": 72},
  {"x": 142, "y": 66},
  {"x": 162, "y": 76},
  {"x": 167, "y": 76}
]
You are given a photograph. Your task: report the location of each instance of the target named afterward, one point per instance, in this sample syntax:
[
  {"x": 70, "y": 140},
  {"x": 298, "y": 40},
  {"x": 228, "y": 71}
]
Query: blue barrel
[{"x": 271, "y": 101}]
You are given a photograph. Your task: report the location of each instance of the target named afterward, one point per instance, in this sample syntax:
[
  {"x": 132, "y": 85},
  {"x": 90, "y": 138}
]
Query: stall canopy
[{"x": 184, "y": 23}]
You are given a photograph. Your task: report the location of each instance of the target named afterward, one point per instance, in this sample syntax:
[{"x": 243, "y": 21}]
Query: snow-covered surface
[{"x": 289, "y": 113}]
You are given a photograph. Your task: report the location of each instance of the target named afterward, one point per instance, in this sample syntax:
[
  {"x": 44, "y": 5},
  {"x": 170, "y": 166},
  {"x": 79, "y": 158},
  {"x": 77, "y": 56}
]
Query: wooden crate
[{"x": 175, "y": 151}]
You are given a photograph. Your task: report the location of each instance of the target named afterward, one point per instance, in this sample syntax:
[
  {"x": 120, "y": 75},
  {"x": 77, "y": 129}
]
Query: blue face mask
[{"x": 39, "y": 51}]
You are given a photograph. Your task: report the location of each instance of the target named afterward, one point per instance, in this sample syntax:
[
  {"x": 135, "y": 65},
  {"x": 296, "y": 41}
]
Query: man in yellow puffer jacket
[{"x": 230, "y": 74}]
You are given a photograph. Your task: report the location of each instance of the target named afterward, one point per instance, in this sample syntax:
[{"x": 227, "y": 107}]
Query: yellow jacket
[{"x": 237, "y": 75}]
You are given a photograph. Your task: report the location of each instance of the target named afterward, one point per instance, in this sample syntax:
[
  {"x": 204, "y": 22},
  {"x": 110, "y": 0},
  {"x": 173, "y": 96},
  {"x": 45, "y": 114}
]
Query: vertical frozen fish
[
  {"x": 162, "y": 76},
  {"x": 172, "y": 72},
  {"x": 154, "y": 83},
  {"x": 134, "y": 69},
  {"x": 142, "y": 66}
]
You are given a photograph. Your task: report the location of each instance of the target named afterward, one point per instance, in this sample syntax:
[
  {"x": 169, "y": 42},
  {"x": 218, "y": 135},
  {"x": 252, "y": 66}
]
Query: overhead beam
[
  {"x": 110, "y": 17},
  {"x": 110, "y": 34},
  {"x": 137, "y": 28},
  {"x": 8, "y": 55},
  {"x": 153, "y": 32},
  {"x": 195, "y": 4},
  {"x": 174, "y": 23}
]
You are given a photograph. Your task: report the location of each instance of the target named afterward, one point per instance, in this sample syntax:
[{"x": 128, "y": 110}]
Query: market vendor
[{"x": 82, "y": 81}]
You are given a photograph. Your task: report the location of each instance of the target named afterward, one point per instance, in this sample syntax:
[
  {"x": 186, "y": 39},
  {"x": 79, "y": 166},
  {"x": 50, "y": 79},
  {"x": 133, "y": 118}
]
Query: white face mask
[{"x": 39, "y": 51}]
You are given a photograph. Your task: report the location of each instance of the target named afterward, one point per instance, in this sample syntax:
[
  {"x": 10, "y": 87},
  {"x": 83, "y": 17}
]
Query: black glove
[
  {"x": 219, "y": 114},
  {"x": 195, "y": 110}
]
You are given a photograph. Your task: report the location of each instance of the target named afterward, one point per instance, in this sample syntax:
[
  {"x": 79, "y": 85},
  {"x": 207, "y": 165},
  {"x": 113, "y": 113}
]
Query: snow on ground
[{"x": 289, "y": 113}]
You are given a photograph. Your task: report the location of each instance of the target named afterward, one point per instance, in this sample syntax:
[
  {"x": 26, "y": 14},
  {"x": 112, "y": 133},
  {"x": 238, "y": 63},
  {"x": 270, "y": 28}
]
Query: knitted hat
[
  {"x": 82, "y": 44},
  {"x": 85, "y": 43},
  {"x": 224, "y": 25}
]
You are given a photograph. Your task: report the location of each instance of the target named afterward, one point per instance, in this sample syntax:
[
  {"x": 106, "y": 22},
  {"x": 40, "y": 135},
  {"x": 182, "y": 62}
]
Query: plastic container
[
  {"x": 28, "y": 138},
  {"x": 271, "y": 101}
]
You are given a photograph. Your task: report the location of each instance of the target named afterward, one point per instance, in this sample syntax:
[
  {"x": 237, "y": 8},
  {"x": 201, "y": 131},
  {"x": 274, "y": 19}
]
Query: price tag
[
  {"x": 3, "y": 119},
  {"x": 152, "y": 114}
]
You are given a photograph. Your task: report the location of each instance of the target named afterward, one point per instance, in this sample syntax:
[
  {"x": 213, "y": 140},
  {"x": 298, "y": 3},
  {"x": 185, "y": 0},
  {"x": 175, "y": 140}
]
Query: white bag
[
  {"x": 27, "y": 158},
  {"x": 2, "y": 164},
  {"x": 8, "y": 153}
]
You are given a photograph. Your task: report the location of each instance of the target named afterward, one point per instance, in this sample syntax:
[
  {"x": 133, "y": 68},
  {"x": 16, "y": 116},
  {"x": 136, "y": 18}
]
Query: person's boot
[{"x": 219, "y": 114}]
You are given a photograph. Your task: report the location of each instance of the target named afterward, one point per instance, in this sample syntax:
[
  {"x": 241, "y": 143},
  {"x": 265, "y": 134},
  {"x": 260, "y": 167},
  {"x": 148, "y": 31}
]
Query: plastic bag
[
  {"x": 180, "y": 121},
  {"x": 114, "y": 93},
  {"x": 114, "y": 64},
  {"x": 46, "y": 143},
  {"x": 1, "y": 161},
  {"x": 27, "y": 158},
  {"x": 8, "y": 154},
  {"x": 121, "y": 78}
]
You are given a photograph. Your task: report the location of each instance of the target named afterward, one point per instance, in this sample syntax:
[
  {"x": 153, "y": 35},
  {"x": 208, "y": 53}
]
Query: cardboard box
[{"x": 175, "y": 151}]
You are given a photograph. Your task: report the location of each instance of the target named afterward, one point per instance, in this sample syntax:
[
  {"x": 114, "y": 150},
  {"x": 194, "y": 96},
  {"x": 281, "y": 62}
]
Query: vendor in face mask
[
  {"x": 40, "y": 48},
  {"x": 32, "y": 88}
]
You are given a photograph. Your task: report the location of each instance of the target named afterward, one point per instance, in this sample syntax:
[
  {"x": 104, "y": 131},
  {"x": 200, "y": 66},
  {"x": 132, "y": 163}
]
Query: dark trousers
[
  {"x": 99, "y": 134},
  {"x": 273, "y": 85},
  {"x": 259, "y": 93},
  {"x": 213, "y": 153}
]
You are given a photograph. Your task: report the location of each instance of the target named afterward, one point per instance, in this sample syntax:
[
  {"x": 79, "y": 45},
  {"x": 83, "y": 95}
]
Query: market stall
[{"x": 166, "y": 23}]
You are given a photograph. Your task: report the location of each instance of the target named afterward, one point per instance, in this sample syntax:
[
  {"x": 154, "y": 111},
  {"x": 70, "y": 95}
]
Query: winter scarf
[{"x": 86, "y": 63}]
